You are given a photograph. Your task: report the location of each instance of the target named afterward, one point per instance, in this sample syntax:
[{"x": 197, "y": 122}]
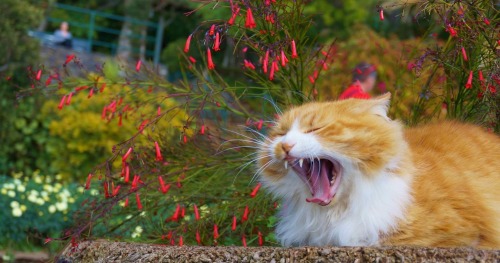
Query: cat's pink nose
[{"x": 287, "y": 147}]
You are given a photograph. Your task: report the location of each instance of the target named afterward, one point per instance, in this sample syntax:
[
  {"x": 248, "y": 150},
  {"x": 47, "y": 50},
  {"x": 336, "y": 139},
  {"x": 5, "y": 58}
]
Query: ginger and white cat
[{"x": 350, "y": 176}]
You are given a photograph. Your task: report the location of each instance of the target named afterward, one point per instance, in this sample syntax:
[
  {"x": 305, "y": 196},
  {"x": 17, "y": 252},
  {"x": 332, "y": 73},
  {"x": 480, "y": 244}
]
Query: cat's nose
[{"x": 287, "y": 147}]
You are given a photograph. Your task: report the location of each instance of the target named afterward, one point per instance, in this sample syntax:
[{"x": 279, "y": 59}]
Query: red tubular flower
[
  {"x": 198, "y": 238},
  {"x": 188, "y": 43},
  {"x": 248, "y": 64},
  {"x": 202, "y": 130},
  {"x": 493, "y": 89},
  {"x": 69, "y": 58},
  {"x": 261, "y": 240},
  {"x": 486, "y": 21},
  {"x": 267, "y": 2},
  {"x": 127, "y": 154},
  {"x": 325, "y": 66},
  {"x": 158, "y": 111},
  {"x": 165, "y": 189},
  {"x": 464, "y": 54},
  {"x": 138, "y": 200},
  {"x": 284, "y": 59},
  {"x": 250, "y": 21},
  {"x": 381, "y": 13},
  {"x": 127, "y": 173},
  {"x": 162, "y": 183},
  {"x": 115, "y": 191},
  {"x": 138, "y": 65},
  {"x": 106, "y": 191},
  {"x": 48, "y": 81},
  {"x": 68, "y": 99},
  {"x": 135, "y": 182},
  {"x": 233, "y": 16},
  {"x": 468, "y": 85},
  {"x": 38, "y": 74},
  {"x": 91, "y": 93},
  {"x": 275, "y": 65},
  {"x": 244, "y": 241},
  {"x": 158, "y": 152},
  {"x": 126, "y": 202},
  {"x": 216, "y": 231},
  {"x": 87, "y": 184},
  {"x": 210, "y": 62},
  {"x": 294, "y": 50},
  {"x": 61, "y": 103},
  {"x": 183, "y": 212},
  {"x": 103, "y": 86},
  {"x": 259, "y": 125},
  {"x": 193, "y": 60},
  {"x": 245, "y": 214},
  {"x": 212, "y": 30},
  {"x": 184, "y": 139},
  {"x": 196, "y": 213},
  {"x": 233, "y": 227},
  {"x": 255, "y": 190},
  {"x": 481, "y": 78},
  {"x": 217, "y": 42},
  {"x": 271, "y": 73},
  {"x": 181, "y": 242},
  {"x": 311, "y": 79},
  {"x": 451, "y": 30},
  {"x": 175, "y": 216}
]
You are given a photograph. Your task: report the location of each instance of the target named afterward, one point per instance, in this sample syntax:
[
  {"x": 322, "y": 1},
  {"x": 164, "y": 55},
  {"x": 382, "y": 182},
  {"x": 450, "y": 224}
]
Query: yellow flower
[
  {"x": 14, "y": 204},
  {"x": 11, "y": 193},
  {"x": 23, "y": 208},
  {"x": 52, "y": 209}
]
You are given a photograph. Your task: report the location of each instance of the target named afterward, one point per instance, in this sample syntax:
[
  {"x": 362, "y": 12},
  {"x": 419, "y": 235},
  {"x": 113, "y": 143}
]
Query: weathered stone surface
[{"x": 106, "y": 251}]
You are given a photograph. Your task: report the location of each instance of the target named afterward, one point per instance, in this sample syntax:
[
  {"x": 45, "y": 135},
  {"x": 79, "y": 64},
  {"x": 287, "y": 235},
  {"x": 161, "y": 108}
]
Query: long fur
[{"x": 435, "y": 185}]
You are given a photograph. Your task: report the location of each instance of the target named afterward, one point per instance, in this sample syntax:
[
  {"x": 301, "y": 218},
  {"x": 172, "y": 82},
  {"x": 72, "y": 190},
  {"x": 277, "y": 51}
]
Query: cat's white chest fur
[{"x": 374, "y": 207}]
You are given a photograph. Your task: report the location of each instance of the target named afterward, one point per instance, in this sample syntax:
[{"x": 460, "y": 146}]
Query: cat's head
[{"x": 316, "y": 149}]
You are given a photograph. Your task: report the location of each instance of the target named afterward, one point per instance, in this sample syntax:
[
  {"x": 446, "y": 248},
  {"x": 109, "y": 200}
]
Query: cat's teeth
[
  {"x": 286, "y": 165},
  {"x": 301, "y": 161}
]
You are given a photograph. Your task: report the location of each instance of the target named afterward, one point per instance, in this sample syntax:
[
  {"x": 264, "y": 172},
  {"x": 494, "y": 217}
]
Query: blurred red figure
[{"x": 363, "y": 81}]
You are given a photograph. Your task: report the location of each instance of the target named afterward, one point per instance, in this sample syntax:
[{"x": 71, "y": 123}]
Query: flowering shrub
[
  {"x": 195, "y": 184},
  {"x": 35, "y": 207}
]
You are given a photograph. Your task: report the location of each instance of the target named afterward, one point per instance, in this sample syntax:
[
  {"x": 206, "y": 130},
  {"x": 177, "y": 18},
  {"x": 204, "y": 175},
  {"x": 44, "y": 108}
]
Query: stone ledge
[{"x": 106, "y": 251}]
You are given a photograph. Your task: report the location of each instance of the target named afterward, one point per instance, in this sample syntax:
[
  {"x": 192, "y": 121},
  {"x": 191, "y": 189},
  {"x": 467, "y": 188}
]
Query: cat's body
[{"x": 354, "y": 177}]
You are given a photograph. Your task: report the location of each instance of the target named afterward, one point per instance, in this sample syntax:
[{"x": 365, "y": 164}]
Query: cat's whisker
[
  {"x": 241, "y": 134},
  {"x": 261, "y": 169},
  {"x": 243, "y": 166}
]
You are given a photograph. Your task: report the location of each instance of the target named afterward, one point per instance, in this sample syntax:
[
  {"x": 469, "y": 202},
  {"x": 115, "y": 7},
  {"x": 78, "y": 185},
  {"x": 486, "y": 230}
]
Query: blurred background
[{"x": 46, "y": 154}]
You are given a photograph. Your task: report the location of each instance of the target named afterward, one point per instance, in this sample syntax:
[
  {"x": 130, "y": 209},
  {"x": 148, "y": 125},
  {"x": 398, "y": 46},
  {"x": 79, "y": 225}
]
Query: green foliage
[
  {"x": 35, "y": 207},
  {"x": 17, "y": 50}
]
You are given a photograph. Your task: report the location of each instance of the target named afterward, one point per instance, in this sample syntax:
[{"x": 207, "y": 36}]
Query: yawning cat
[{"x": 348, "y": 175}]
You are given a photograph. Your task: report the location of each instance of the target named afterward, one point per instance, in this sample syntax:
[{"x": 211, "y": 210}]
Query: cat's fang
[
  {"x": 286, "y": 165},
  {"x": 301, "y": 161}
]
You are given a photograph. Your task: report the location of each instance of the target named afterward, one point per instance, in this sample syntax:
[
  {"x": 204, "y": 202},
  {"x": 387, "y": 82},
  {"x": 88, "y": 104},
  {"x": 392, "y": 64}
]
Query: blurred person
[
  {"x": 363, "y": 80},
  {"x": 62, "y": 36}
]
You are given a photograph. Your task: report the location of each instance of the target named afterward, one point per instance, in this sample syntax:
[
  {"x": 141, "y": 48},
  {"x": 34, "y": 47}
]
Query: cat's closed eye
[{"x": 313, "y": 130}]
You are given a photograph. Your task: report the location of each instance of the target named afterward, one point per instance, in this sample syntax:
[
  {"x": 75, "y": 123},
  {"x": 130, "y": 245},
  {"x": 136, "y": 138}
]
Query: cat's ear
[{"x": 380, "y": 105}]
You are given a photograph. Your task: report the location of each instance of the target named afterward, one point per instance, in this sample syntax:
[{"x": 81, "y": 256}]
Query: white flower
[
  {"x": 11, "y": 193},
  {"x": 80, "y": 189},
  {"x": 16, "y": 181},
  {"x": 32, "y": 198},
  {"x": 52, "y": 209},
  {"x": 40, "y": 201},
  {"x": 21, "y": 188},
  {"x": 48, "y": 188},
  {"x": 14, "y": 204},
  {"x": 9, "y": 186},
  {"x": 16, "y": 212},
  {"x": 61, "y": 206},
  {"x": 137, "y": 232},
  {"x": 44, "y": 194}
]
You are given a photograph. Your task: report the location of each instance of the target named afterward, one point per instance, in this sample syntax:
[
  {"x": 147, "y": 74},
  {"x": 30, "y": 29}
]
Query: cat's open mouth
[{"x": 321, "y": 175}]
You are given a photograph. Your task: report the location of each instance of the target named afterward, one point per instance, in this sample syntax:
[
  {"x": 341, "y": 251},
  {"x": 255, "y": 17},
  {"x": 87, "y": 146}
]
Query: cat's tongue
[{"x": 319, "y": 183}]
